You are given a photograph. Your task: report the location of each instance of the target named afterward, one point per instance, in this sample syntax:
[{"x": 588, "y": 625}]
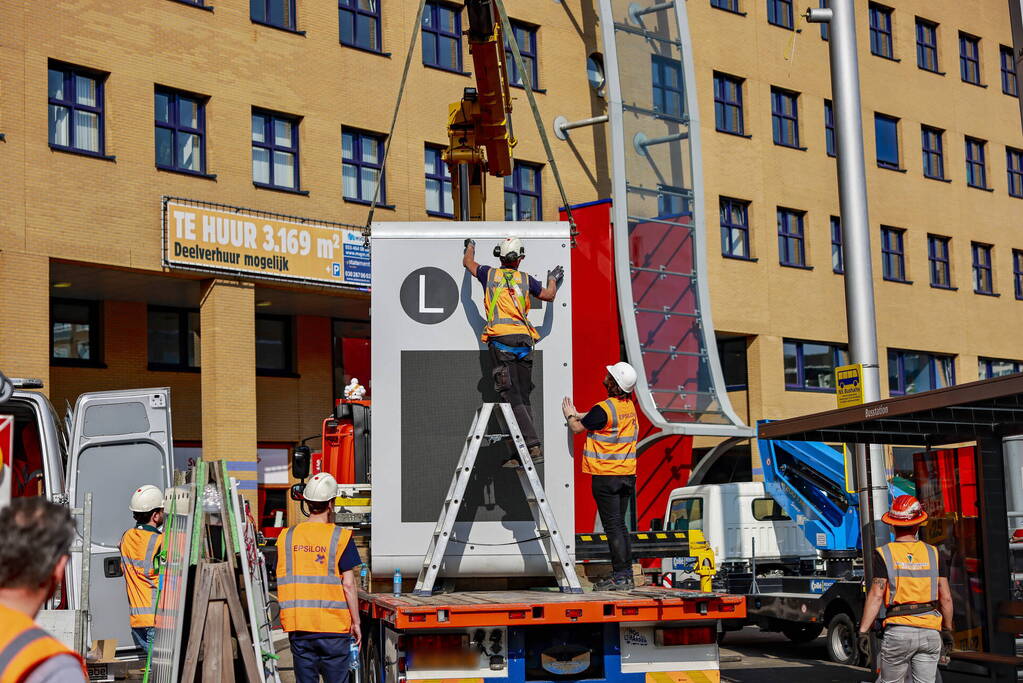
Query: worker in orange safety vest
[
  {"x": 35, "y": 538},
  {"x": 508, "y": 333},
  {"x": 316, "y": 588},
  {"x": 612, "y": 430},
  {"x": 911, "y": 581},
  {"x": 139, "y": 548}
]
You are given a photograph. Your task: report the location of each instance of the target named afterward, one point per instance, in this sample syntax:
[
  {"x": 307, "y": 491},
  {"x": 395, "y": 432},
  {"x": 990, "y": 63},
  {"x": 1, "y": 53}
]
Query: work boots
[
  {"x": 535, "y": 454},
  {"x": 614, "y": 583}
]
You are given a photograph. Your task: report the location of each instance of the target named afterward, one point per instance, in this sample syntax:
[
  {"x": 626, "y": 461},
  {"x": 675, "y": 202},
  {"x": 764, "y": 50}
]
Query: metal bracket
[{"x": 563, "y": 125}]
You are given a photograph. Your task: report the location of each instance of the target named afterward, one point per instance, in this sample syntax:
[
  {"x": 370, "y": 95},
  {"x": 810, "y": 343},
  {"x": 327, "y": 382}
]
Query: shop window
[
  {"x": 76, "y": 109},
  {"x": 359, "y": 22},
  {"x": 351, "y": 354},
  {"x": 276, "y": 13},
  {"x": 442, "y": 37},
  {"x": 732, "y": 355},
  {"x": 997, "y": 367},
  {"x": 525, "y": 36},
  {"x": 274, "y": 351},
  {"x": 173, "y": 338},
  {"x": 910, "y": 372},
  {"x": 75, "y": 332},
  {"x": 810, "y": 366}
]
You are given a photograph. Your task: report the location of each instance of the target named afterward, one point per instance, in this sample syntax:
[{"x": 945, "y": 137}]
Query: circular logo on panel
[{"x": 429, "y": 295}]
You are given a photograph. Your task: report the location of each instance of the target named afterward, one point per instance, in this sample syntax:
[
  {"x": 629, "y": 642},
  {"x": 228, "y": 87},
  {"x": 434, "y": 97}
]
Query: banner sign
[
  {"x": 240, "y": 241},
  {"x": 6, "y": 457}
]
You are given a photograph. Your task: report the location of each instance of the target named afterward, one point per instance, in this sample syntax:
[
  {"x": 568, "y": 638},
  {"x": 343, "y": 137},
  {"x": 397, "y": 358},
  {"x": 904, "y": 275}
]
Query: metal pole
[
  {"x": 463, "y": 192},
  {"x": 871, "y": 484}
]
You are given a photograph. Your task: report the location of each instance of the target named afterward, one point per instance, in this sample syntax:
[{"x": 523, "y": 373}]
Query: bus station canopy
[{"x": 958, "y": 414}]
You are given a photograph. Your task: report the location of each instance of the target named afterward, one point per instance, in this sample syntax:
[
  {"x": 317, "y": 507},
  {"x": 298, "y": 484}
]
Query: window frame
[
  {"x": 727, "y": 5},
  {"x": 924, "y": 49},
  {"x": 830, "y": 138},
  {"x": 183, "y": 332},
  {"x": 728, "y": 229},
  {"x": 966, "y": 61},
  {"x": 288, "y": 322},
  {"x": 658, "y": 66},
  {"x": 722, "y": 343},
  {"x": 352, "y": 7},
  {"x": 986, "y": 363},
  {"x": 939, "y": 260},
  {"x": 976, "y": 166},
  {"x": 983, "y": 269},
  {"x": 837, "y": 245},
  {"x": 1007, "y": 64},
  {"x": 774, "y": 19},
  {"x": 1014, "y": 171},
  {"x": 892, "y": 254},
  {"x": 932, "y": 147},
  {"x": 94, "y": 314},
  {"x": 270, "y": 144},
  {"x": 881, "y": 34},
  {"x": 175, "y": 127},
  {"x": 358, "y": 134},
  {"x": 433, "y": 6},
  {"x": 1017, "y": 273},
  {"x": 723, "y": 105},
  {"x": 442, "y": 175},
  {"x": 836, "y": 361},
  {"x": 884, "y": 163},
  {"x": 532, "y": 52},
  {"x": 785, "y": 235},
  {"x": 292, "y": 27},
  {"x": 779, "y": 117},
  {"x": 518, "y": 191},
  {"x": 932, "y": 363},
  {"x": 68, "y": 73}
]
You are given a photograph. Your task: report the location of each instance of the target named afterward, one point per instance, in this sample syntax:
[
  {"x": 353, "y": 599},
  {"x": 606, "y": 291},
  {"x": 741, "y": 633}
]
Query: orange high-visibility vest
[
  {"x": 139, "y": 548},
  {"x": 309, "y": 585},
  {"x": 24, "y": 646},
  {"x": 912, "y": 578},
  {"x": 612, "y": 450},
  {"x": 506, "y": 300}
]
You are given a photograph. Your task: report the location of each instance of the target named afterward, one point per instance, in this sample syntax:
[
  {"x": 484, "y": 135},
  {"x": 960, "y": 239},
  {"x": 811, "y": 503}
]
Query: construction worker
[
  {"x": 139, "y": 547},
  {"x": 911, "y": 581},
  {"x": 316, "y": 588},
  {"x": 610, "y": 456},
  {"x": 508, "y": 333},
  {"x": 35, "y": 538}
]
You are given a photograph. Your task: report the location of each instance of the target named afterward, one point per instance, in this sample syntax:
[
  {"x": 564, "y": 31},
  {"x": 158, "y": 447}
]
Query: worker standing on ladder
[
  {"x": 508, "y": 332},
  {"x": 916, "y": 596},
  {"x": 139, "y": 548},
  {"x": 35, "y": 537},
  {"x": 316, "y": 588},
  {"x": 611, "y": 430}
]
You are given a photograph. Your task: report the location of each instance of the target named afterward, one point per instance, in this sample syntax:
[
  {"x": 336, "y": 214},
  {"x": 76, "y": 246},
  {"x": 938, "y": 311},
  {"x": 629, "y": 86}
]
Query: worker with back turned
[
  {"x": 35, "y": 539},
  {"x": 508, "y": 333},
  {"x": 316, "y": 588},
  {"x": 140, "y": 547},
  {"x": 609, "y": 455},
  {"x": 911, "y": 581}
]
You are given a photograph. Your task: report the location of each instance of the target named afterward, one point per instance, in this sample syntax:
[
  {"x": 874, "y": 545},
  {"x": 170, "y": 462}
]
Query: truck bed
[{"x": 525, "y": 607}]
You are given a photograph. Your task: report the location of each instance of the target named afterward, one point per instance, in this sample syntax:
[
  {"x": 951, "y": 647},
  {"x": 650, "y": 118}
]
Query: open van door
[{"x": 120, "y": 440}]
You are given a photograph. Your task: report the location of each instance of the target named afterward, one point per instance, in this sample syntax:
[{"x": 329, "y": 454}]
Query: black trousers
[
  {"x": 613, "y": 494},
  {"x": 513, "y": 380}
]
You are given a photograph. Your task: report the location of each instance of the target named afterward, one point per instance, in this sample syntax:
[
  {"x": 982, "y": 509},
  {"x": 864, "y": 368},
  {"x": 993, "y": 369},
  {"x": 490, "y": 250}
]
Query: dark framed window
[
  {"x": 732, "y": 354},
  {"x": 969, "y": 58},
  {"x": 1017, "y": 273},
  {"x": 810, "y": 366},
  {"x": 666, "y": 77},
  {"x": 351, "y": 353},
  {"x": 988, "y": 368},
  {"x": 274, "y": 349},
  {"x": 791, "y": 241},
  {"x": 362, "y": 155},
  {"x": 976, "y": 163},
  {"x": 523, "y": 193},
  {"x": 983, "y": 280},
  {"x": 829, "y": 127},
  {"x": 728, "y": 5},
  {"x": 728, "y": 115},
  {"x": 881, "y": 31},
  {"x": 173, "y": 338},
  {"x": 180, "y": 120},
  {"x": 837, "y": 248},
  {"x": 442, "y": 37},
  {"x": 734, "y": 228},
  {"x": 785, "y": 117},
  {"x": 825, "y": 34},
  {"x": 927, "y": 45},
  {"x": 886, "y": 141},
  {"x": 779, "y": 13},
  {"x": 1008, "y": 66},
  {"x": 939, "y": 261},
  {"x": 893, "y": 254},
  {"x": 75, "y": 332},
  {"x": 933, "y": 152},
  {"x": 359, "y": 24},
  {"x": 525, "y": 36},
  {"x": 910, "y": 372},
  {"x": 274, "y": 150},
  {"x": 75, "y": 119},
  {"x": 278, "y": 13},
  {"x": 439, "y": 201},
  {"x": 1014, "y": 171}
]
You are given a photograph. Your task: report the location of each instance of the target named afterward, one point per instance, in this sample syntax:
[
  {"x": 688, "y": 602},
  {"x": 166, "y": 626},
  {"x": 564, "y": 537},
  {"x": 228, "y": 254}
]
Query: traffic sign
[{"x": 849, "y": 385}]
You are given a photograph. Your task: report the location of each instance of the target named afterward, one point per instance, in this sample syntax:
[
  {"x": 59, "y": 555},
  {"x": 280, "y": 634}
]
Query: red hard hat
[{"x": 905, "y": 511}]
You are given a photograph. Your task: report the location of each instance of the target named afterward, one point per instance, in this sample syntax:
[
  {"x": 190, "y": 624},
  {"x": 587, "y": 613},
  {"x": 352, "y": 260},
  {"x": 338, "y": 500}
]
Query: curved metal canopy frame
[{"x": 658, "y": 211}]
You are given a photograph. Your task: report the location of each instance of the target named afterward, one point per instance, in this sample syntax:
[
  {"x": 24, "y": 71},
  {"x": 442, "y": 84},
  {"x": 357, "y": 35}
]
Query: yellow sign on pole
[{"x": 849, "y": 385}]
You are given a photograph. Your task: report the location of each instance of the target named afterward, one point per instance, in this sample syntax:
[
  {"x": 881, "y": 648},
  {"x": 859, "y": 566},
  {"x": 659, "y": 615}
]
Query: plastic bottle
[
  {"x": 397, "y": 582},
  {"x": 353, "y": 656},
  {"x": 364, "y": 577}
]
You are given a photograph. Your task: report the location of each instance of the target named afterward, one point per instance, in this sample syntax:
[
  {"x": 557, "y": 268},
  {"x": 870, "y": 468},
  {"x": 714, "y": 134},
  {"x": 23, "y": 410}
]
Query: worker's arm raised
[
  {"x": 469, "y": 256},
  {"x": 572, "y": 416},
  {"x": 554, "y": 278}
]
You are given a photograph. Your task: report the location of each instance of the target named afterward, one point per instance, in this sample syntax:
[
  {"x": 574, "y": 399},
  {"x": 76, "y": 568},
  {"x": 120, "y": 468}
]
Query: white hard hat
[
  {"x": 624, "y": 375},
  {"x": 510, "y": 249},
  {"x": 146, "y": 497},
  {"x": 321, "y": 488}
]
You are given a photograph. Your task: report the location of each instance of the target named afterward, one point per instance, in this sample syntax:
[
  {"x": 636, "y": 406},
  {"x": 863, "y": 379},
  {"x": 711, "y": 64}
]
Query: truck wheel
[
  {"x": 802, "y": 633},
  {"x": 372, "y": 670},
  {"x": 841, "y": 640}
]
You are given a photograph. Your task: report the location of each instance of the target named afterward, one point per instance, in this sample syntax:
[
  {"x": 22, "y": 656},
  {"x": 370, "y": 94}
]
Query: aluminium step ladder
[{"x": 553, "y": 543}]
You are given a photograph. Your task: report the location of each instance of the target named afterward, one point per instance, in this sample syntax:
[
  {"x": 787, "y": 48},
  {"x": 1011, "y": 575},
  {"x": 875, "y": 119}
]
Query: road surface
[{"x": 772, "y": 658}]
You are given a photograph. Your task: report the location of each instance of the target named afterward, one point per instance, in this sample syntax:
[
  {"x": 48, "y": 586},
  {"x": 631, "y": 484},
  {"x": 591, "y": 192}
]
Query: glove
[
  {"x": 863, "y": 643},
  {"x": 468, "y": 241},
  {"x": 558, "y": 274},
  {"x": 947, "y": 642}
]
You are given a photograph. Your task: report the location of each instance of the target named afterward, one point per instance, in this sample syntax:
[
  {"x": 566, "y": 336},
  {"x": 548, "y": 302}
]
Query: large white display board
[{"x": 431, "y": 372}]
